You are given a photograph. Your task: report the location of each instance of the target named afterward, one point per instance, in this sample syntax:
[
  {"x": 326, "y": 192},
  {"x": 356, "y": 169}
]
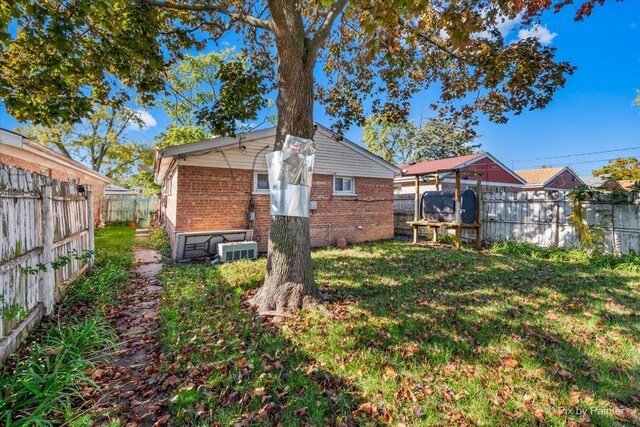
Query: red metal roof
[{"x": 431, "y": 166}]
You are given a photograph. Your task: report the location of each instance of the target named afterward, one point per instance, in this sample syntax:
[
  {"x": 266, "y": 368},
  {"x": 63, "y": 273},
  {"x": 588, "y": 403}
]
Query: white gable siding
[
  {"x": 172, "y": 197},
  {"x": 332, "y": 157}
]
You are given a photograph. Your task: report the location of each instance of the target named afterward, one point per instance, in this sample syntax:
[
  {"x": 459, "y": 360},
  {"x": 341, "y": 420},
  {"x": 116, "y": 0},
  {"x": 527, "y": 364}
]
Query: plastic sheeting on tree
[{"x": 290, "y": 173}]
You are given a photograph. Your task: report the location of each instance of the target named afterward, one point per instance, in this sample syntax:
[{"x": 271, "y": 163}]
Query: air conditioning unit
[{"x": 231, "y": 251}]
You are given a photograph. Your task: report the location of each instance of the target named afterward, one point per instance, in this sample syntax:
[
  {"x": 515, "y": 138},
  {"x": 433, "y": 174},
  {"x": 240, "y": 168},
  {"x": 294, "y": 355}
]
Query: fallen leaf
[
  {"x": 162, "y": 421},
  {"x": 390, "y": 372},
  {"x": 574, "y": 399},
  {"x": 509, "y": 362},
  {"x": 367, "y": 408},
  {"x": 565, "y": 374},
  {"x": 262, "y": 414}
]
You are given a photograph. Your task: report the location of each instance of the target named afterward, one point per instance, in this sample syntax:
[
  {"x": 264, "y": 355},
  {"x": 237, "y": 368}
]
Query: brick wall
[{"x": 218, "y": 198}]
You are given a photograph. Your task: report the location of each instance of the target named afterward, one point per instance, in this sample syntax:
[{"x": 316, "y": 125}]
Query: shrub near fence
[
  {"x": 542, "y": 218},
  {"x": 46, "y": 233}
]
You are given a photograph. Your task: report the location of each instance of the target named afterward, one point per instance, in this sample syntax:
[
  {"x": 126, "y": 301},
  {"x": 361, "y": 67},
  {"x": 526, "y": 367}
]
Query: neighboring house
[
  {"x": 221, "y": 184},
  {"x": 495, "y": 176},
  {"x": 550, "y": 179},
  {"x": 18, "y": 151},
  {"x": 630, "y": 184},
  {"x": 116, "y": 190},
  {"x": 601, "y": 182}
]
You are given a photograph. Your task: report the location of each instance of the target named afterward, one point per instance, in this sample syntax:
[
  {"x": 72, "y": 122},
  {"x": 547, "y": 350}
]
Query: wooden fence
[
  {"x": 127, "y": 208},
  {"x": 42, "y": 221},
  {"x": 542, "y": 218}
]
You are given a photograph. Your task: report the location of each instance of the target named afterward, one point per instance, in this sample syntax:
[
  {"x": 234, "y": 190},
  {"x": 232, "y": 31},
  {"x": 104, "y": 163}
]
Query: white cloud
[
  {"x": 503, "y": 24},
  {"x": 540, "y": 32},
  {"x": 506, "y": 25},
  {"x": 148, "y": 121}
]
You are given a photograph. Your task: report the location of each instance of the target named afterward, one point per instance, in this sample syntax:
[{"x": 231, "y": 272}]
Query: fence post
[
  {"x": 47, "y": 278},
  {"x": 91, "y": 226},
  {"x": 556, "y": 224}
]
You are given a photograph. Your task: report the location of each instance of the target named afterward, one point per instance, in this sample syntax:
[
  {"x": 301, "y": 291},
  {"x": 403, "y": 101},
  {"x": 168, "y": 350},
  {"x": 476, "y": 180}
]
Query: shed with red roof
[{"x": 495, "y": 176}]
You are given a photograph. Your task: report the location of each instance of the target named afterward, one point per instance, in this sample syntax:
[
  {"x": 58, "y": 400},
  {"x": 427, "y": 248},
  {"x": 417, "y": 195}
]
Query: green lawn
[{"x": 421, "y": 336}]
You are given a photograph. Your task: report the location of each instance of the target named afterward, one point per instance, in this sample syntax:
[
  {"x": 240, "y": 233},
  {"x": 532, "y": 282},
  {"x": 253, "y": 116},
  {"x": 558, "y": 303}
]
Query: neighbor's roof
[
  {"x": 432, "y": 166},
  {"x": 218, "y": 143},
  {"x": 628, "y": 184},
  {"x": 601, "y": 181},
  {"x": 594, "y": 181},
  {"x": 47, "y": 157},
  {"x": 539, "y": 176}
]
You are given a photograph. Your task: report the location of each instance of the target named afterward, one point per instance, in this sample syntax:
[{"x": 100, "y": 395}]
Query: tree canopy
[
  {"x": 382, "y": 52},
  {"x": 405, "y": 142},
  {"x": 627, "y": 168},
  {"x": 99, "y": 140}
]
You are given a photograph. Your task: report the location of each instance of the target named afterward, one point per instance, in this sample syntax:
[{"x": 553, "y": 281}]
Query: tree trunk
[{"x": 289, "y": 284}]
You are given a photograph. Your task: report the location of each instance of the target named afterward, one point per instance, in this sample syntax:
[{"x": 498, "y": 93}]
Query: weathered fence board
[
  {"x": 127, "y": 208},
  {"x": 41, "y": 220},
  {"x": 542, "y": 218}
]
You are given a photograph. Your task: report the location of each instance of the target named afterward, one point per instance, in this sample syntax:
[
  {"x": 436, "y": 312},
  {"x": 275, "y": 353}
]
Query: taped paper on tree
[{"x": 290, "y": 174}]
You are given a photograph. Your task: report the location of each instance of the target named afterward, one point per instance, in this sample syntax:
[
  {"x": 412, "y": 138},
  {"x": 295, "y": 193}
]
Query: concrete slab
[
  {"x": 146, "y": 256},
  {"x": 148, "y": 271}
]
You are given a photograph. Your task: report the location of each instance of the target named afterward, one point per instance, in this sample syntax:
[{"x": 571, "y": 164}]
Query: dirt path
[{"x": 136, "y": 392}]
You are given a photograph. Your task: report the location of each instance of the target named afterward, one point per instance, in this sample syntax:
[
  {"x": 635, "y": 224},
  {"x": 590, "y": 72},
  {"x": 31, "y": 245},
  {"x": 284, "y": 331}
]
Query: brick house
[
  {"x": 496, "y": 177},
  {"x": 222, "y": 185},
  {"x": 550, "y": 179},
  {"x": 18, "y": 151}
]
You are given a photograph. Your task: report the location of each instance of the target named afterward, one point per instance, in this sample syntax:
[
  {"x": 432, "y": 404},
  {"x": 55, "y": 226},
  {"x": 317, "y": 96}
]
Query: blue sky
[{"x": 594, "y": 112}]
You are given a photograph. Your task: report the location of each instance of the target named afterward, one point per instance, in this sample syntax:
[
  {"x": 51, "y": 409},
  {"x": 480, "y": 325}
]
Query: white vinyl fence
[
  {"x": 46, "y": 233},
  {"x": 127, "y": 208},
  {"x": 542, "y": 218}
]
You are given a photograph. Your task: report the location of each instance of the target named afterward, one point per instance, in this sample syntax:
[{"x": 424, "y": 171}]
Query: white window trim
[
  {"x": 257, "y": 190},
  {"x": 345, "y": 193}
]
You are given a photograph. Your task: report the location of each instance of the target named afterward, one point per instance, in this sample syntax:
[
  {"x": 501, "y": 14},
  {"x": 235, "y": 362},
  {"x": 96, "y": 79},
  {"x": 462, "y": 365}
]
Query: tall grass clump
[
  {"x": 42, "y": 385},
  {"x": 595, "y": 258}
]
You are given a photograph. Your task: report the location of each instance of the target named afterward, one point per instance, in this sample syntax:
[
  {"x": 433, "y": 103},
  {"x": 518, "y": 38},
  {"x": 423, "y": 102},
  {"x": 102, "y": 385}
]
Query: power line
[
  {"x": 581, "y": 163},
  {"x": 576, "y": 155}
]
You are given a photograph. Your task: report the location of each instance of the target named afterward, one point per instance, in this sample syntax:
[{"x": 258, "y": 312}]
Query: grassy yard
[{"x": 421, "y": 336}]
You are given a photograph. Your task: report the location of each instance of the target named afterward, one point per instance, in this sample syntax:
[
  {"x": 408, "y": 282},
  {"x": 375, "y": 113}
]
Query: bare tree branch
[
  {"x": 265, "y": 24},
  {"x": 325, "y": 29}
]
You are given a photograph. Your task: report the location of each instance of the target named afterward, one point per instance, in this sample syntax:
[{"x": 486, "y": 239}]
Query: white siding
[
  {"x": 172, "y": 197},
  {"x": 332, "y": 158}
]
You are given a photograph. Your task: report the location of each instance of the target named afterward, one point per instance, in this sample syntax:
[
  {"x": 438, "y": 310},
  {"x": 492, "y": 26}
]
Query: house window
[
  {"x": 261, "y": 182},
  {"x": 343, "y": 186}
]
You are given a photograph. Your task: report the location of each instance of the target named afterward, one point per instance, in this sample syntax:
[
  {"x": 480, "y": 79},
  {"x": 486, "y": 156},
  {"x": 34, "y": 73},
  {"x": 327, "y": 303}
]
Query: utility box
[
  {"x": 440, "y": 206},
  {"x": 469, "y": 203},
  {"x": 231, "y": 251}
]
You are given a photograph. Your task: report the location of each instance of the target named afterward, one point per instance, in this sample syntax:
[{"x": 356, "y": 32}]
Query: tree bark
[{"x": 289, "y": 284}]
